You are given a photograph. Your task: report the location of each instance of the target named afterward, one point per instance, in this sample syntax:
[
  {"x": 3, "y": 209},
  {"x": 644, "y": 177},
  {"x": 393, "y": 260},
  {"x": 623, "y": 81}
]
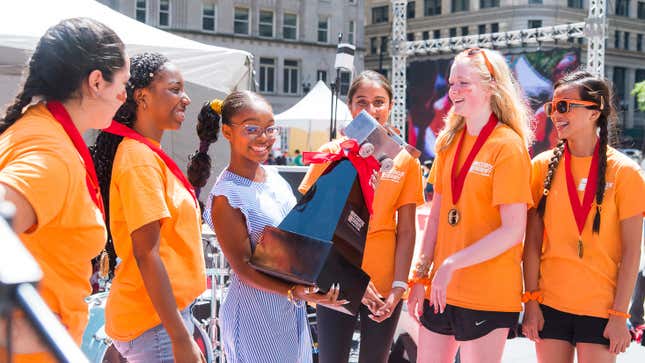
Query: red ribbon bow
[{"x": 365, "y": 167}]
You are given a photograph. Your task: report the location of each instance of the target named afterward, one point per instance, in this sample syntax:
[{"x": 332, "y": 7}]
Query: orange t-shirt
[
  {"x": 585, "y": 286},
  {"x": 144, "y": 190},
  {"x": 39, "y": 160},
  {"x": 500, "y": 174},
  {"x": 396, "y": 188}
]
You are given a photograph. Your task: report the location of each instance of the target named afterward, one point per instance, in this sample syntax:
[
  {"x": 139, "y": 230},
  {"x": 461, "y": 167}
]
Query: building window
[
  {"x": 494, "y": 28},
  {"x": 410, "y": 10},
  {"x": 622, "y": 7},
  {"x": 322, "y": 75},
  {"x": 436, "y": 34},
  {"x": 464, "y": 30},
  {"x": 241, "y": 21},
  {"x": 351, "y": 31},
  {"x": 535, "y": 1},
  {"x": 164, "y": 12},
  {"x": 425, "y": 35},
  {"x": 481, "y": 29},
  {"x": 617, "y": 39},
  {"x": 626, "y": 36},
  {"x": 345, "y": 79},
  {"x": 384, "y": 45},
  {"x": 267, "y": 75},
  {"x": 208, "y": 17},
  {"x": 374, "y": 45},
  {"x": 641, "y": 10},
  {"x": 535, "y": 24},
  {"x": 380, "y": 14},
  {"x": 140, "y": 10},
  {"x": 323, "y": 29},
  {"x": 290, "y": 79},
  {"x": 452, "y": 32},
  {"x": 639, "y": 42},
  {"x": 483, "y": 4},
  {"x": 290, "y": 26},
  {"x": 266, "y": 23},
  {"x": 431, "y": 7},
  {"x": 619, "y": 83},
  {"x": 576, "y": 4},
  {"x": 460, "y": 5},
  {"x": 410, "y": 37}
]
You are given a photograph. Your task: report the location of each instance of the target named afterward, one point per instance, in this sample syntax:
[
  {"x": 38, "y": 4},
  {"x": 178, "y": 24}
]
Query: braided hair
[
  {"x": 64, "y": 57},
  {"x": 143, "y": 68},
  {"x": 598, "y": 90},
  {"x": 209, "y": 120}
]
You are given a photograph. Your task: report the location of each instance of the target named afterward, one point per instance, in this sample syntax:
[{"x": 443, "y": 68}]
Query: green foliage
[{"x": 639, "y": 92}]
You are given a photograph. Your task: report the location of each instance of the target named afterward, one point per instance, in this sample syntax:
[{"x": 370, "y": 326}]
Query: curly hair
[{"x": 143, "y": 68}]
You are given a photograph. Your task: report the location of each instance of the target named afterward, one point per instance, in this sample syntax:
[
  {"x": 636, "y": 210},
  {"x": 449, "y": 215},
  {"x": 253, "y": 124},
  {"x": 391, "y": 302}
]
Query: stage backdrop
[{"x": 428, "y": 102}]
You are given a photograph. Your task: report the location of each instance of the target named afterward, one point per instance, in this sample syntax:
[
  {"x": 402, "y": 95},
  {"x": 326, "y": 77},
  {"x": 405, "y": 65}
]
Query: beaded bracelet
[
  {"x": 618, "y": 313},
  {"x": 425, "y": 281},
  {"x": 532, "y": 295}
]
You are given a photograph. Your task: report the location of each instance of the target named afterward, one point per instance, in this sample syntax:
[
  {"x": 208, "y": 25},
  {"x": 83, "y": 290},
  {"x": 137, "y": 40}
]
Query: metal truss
[{"x": 594, "y": 29}]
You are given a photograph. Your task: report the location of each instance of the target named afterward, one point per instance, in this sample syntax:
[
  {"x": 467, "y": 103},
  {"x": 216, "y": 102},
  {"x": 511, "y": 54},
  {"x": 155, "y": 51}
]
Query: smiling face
[
  {"x": 577, "y": 121},
  {"x": 240, "y": 132},
  {"x": 373, "y": 98},
  {"x": 466, "y": 92},
  {"x": 167, "y": 99}
]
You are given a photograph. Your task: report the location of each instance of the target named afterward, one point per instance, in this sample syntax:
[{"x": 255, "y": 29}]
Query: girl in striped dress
[{"x": 263, "y": 319}]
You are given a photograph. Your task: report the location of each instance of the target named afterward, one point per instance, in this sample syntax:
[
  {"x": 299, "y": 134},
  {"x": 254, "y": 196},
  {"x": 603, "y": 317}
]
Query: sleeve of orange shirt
[
  {"x": 43, "y": 179},
  {"x": 538, "y": 172},
  {"x": 630, "y": 192},
  {"x": 511, "y": 175},
  {"x": 316, "y": 170},
  {"x": 412, "y": 189},
  {"x": 434, "y": 177},
  {"x": 142, "y": 192}
]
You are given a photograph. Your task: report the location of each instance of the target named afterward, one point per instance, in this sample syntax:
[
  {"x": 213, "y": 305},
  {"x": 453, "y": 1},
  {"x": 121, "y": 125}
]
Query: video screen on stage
[{"x": 428, "y": 102}]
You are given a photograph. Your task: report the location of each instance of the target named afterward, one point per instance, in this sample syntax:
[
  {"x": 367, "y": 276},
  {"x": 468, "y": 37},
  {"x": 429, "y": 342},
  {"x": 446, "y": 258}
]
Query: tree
[{"x": 639, "y": 92}]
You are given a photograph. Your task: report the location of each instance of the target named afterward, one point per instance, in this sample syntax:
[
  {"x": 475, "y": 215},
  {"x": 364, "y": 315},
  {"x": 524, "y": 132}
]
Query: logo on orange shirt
[
  {"x": 393, "y": 175},
  {"x": 481, "y": 168}
]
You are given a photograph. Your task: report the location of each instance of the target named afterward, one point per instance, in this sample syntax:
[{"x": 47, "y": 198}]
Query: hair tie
[{"x": 216, "y": 105}]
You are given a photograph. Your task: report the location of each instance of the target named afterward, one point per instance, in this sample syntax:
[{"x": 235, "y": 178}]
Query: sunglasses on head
[
  {"x": 474, "y": 51},
  {"x": 564, "y": 106}
]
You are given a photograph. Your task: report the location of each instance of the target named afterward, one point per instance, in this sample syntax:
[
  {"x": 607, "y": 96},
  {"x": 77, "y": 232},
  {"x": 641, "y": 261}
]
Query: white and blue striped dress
[{"x": 258, "y": 326}]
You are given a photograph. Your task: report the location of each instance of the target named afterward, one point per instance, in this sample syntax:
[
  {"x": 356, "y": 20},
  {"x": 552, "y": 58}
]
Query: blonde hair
[{"x": 506, "y": 100}]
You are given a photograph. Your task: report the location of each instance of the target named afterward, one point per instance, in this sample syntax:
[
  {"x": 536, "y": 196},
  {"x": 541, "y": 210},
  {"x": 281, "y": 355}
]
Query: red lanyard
[
  {"x": 581, "y": 211},
  {"x": 60, "y": 114},
  {"x": 117, "y": 128},
  {"x": 457, "y": 181}
]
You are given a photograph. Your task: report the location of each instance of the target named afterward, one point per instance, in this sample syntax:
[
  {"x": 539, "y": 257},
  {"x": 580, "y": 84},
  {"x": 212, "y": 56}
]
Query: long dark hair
[
  {"x": 597, "y": 90},
  {"x": 64, "y": 57},
  {"x": 143, "y": 68}
]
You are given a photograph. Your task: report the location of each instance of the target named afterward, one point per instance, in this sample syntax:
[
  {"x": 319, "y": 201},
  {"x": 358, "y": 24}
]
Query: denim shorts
[{"x": 153, "y": 345}]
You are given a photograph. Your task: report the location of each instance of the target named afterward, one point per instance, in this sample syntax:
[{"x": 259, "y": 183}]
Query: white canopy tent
[
  {"x": 209, "y": 71},
  {"x": 23, "y": 22},
  {"x": 313, "y": 112}
]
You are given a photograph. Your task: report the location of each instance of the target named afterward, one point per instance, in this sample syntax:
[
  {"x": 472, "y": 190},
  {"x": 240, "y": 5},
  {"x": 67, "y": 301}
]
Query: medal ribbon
[
  {"x": 581, "y": 211},
  {"x": 117, "y": 128},
  {"x": 62, "y": 116},
  {"x": 457, "y": 181},
  {"x": 365, "y": 167}
]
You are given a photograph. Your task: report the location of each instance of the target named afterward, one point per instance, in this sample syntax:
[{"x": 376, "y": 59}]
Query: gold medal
[
  {"x": 453, "y": 217},
  {"x": 581, "y": 249}
]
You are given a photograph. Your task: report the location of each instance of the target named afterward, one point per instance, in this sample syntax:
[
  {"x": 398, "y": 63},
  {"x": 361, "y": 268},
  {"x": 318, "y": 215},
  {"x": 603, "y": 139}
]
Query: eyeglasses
[
  {"x": 564, "y": 105},
  {"x": 255, "y": 130},
  {"x": 474, "y": 51}
]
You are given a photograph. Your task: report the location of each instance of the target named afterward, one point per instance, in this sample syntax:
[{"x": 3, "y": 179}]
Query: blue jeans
[{"x": 153, "y": 345}]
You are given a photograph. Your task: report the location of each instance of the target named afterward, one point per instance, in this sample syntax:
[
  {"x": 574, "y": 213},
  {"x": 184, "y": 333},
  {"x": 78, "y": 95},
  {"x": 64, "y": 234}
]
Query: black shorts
[
  {"x": 466, "y": 324},
  {"x": 572, "y": 328}
]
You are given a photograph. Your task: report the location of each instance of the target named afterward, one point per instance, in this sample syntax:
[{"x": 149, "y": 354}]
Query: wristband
[
  {"x": 618, "y": 313},
  {"x": 532, "y": 295},
  {"x": 401, "y": 284},
  {"x": 425, "y": 281}
]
